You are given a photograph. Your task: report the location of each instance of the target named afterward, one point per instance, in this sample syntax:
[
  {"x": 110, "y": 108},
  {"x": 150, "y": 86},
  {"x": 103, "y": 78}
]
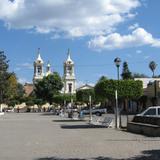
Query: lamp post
[
  {"x": 90, "y": 109},
  {"x": 117, "y": 62}
]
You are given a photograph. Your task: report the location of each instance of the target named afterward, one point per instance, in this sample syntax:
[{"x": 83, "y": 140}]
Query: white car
[{"x": 153, "y": 111}]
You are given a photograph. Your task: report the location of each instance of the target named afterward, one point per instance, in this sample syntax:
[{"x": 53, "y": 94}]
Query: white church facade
[{"x": 68, "y": 78}]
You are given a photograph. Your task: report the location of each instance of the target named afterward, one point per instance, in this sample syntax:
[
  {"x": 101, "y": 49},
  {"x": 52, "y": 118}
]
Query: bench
[
  {"x": 105, "y": 122},
  {"x": 145, "y": 125}
]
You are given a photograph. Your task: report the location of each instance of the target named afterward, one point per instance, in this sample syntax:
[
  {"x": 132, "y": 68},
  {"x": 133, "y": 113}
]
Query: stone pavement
[{"x": 37, "y": 136}]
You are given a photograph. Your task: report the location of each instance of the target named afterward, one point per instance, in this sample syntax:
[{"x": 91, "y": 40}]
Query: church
[{"x": 68, "y": 78}]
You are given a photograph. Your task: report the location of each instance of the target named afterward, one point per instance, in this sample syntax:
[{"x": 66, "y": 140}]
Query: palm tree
[{"x": 152, "y": 66}]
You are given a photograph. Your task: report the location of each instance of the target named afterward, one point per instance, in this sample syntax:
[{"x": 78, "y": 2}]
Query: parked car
[
  {"x": 96, "y": 111},
  {"x": 153, "y": 111}
]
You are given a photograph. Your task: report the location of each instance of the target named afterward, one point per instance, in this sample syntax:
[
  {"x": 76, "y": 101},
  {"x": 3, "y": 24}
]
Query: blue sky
[{"x": 95, "y": 31}]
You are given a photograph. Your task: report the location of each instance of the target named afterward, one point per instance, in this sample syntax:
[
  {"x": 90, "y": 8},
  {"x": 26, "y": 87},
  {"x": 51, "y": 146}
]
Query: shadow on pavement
[
  {"x": 47, "y": 114},
  {"x": 68, "y": 120},
  {"x": 146, "y": 155},
  {"x": 81, "y": 126},
  {"x": 56, "y": 158}
]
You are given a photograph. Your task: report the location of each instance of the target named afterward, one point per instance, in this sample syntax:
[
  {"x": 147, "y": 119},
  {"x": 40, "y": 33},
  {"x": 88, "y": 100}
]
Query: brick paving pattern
[{"x": 35, "y": 136}]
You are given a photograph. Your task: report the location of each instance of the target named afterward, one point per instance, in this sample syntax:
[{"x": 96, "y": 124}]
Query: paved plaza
[{"x": 38, "y": 136}]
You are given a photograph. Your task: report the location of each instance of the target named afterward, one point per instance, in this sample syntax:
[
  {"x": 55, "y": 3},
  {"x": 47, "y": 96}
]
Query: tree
[
  {"x": 20, "y": 90},
  {"x": 10, "y": 89},
  {"x": 127, "y": 89},
  {"x": 139, "y": 75},
  {"x": 126, "y": 74},
  {"x": 103, "y": 89},
  {"x": 83, "y": 95},
  {"x": 3, "y": 63},
  {"x": 12, "y": 86},
  {"x": 3, "y": 76},
  {"x": 14, "y": 91},
  {"x": 152, "y": 66},
  {"x": 48, "y": 87},
  {"x": 102, "y": 78}
]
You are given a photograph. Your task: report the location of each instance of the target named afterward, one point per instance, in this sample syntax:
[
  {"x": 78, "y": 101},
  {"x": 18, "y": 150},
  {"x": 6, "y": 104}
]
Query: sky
[{"x": 95, "y": 31}]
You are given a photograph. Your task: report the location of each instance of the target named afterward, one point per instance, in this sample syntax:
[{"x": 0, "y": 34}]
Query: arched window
[{"x": 70, "y": 87}]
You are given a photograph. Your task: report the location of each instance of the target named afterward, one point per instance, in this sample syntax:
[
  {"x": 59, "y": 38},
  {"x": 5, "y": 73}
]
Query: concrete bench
[
  {"x": 144, "y": 128},
  {"x": 105, "y": 121}
]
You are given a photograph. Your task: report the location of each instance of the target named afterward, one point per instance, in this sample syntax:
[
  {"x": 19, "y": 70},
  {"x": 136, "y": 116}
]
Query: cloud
[
  {"x": 69, "y": 18},
  {"x": 138, "y": 51},
  {"x": 25, "y": 65},
  {"x": 133, "y": 27},
  {"x": 147, "y": 57},
  {"x": 138, "y": 37},
  {"x": 23, "y": 80}
]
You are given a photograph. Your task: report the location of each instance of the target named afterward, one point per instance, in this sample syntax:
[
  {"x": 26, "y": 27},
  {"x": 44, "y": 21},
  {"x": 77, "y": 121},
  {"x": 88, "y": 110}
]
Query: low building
[
  {"x": 28, "y": 89},
  {"x": 151, "y": 89},
  {"x": 86, "y": 86}
]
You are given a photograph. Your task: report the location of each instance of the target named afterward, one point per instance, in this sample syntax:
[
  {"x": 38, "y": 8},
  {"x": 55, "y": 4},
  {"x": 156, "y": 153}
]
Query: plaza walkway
[{"x": 37, "y": 136}]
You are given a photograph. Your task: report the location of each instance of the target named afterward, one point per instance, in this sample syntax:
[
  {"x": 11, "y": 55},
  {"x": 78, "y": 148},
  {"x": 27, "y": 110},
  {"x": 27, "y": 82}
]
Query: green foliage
[
  {"x": 3, "y": 63},
  {"x": 11, "y": 91},
  {"x": 102, "y": 78},
  {"x": 152, "y": 66},
  {"x": 139, "y": 75},
  {"x": 13, "y": 102},
  {"x": 20, "y": 90},
  {"x": 130, "y": 89},
  {"x": 83, "y": 95},
  {"x": 105, "y": 89},
  {"x": 30, "y": 103},
  {"x": 48, "y": 87},
  {"x": 7, "y": 80},
  {"x": 126, "y": 74},
  {"x": 38, "y": 101},
  {"x": 127, "y": 89},
  {"x": 61, "y": 98}
]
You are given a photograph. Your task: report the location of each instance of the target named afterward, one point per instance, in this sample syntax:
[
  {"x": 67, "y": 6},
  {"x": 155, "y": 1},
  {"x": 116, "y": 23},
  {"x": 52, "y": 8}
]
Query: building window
[
  {"x": 70, "y": 87},
  {"x": 39, "y": 70},
  {"x": 69, "y": 70}
]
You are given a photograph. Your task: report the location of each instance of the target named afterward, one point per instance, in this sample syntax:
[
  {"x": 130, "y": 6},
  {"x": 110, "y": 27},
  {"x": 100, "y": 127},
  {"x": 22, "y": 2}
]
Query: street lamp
[
  {"x": 90, "y": 109},
  {"x": 117, "y": 62}
]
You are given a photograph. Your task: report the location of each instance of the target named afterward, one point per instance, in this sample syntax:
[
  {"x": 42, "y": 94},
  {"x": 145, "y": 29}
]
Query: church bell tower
[
  {"x": 69, "y": 76},
  {"x": 38, "y": 68}
]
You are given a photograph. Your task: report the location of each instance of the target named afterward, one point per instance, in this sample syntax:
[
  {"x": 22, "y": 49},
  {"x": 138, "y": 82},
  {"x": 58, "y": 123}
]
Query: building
[
  {"x": 151, "y": 89},
  {"x": 69, "y": 79},
  {"x": 38, "y": 68},
  {"x": 28, "y": 89},
  {"x": 69, "y": 76},
  {"x": 85, "y": 87}
]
